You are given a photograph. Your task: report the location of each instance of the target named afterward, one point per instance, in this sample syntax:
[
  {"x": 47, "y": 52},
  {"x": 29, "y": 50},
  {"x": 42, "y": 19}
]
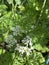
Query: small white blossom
[{"x": 25, "y": 49}]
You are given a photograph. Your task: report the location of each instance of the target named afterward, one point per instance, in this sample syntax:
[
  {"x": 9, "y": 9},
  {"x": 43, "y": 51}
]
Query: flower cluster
[
  {"x": 27, "y": 48},
  {"x": 11, "y": 41}
]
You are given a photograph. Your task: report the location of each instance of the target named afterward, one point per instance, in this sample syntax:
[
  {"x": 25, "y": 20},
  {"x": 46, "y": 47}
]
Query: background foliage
[{"x": 24, "y": 27}]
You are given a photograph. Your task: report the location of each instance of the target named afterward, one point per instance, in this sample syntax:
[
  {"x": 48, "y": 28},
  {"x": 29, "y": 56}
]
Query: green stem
[{"x": 13, "y": 11}]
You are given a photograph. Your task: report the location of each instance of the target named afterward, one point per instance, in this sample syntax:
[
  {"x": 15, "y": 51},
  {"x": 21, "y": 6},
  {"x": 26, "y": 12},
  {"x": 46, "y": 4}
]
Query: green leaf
[
  {"x": 10, "y": 1},
  {"x": 18, "y": 2}
]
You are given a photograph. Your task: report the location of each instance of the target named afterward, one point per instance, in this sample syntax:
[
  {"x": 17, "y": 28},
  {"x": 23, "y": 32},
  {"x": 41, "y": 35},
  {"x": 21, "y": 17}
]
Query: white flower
[{"x": 25, "y": 49}]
